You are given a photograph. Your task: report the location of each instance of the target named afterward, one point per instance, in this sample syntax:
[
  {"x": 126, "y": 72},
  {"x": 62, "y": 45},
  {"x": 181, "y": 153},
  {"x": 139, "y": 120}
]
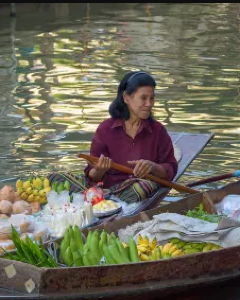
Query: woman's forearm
[{"x": 159, "y": 171}]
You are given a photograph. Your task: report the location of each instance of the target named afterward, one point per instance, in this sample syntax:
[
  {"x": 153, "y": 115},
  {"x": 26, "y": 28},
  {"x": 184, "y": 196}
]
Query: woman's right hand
[{"x": 103, "y": 164}]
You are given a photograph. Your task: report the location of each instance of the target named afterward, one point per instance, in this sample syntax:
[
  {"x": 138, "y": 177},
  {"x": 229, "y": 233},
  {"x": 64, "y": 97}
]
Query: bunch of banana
[
  {"x": 170, "y": 250},
  {"x": 147, "y": 250},
  {"x": 33, "y": 189},
  {"x": 61, "y": 186},
  {"x": 193, "y": 247},
  {"x": 99, "y": 244}
]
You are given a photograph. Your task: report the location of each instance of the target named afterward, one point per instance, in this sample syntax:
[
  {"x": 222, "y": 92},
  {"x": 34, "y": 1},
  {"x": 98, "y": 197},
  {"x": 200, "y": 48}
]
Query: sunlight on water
[{"x": 60, "y": 65}]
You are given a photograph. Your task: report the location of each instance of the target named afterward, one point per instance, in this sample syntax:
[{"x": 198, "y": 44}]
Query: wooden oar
[
  {"x": 127, "y": 170},
  {"x": 215, "y": 178}
]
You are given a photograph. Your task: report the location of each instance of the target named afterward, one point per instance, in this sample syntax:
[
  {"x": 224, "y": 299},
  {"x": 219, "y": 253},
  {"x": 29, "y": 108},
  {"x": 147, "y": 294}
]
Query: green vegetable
[
  {"x": 199, "y": 213},
  {"x": 30, "y": 252}
]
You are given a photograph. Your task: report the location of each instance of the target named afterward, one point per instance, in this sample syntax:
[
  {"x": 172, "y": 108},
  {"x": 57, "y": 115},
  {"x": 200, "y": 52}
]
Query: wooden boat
[{"x": 131, "y": 281}]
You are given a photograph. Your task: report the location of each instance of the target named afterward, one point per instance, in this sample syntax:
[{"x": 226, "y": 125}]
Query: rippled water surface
[{"x": 60, "y": 65}]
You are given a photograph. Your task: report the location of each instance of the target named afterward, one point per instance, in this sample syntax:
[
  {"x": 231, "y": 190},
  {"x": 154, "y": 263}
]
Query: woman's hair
[{"x": 129, "y": 84}]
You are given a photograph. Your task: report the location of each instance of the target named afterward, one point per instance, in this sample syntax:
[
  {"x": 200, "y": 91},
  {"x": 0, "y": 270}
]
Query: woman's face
[{"x": 140, "y": 103}]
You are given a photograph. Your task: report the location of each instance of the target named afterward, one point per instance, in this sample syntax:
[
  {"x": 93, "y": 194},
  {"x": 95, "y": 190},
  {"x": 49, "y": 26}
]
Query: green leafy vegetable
[
  {"x": 199, "y": 213},
  {"x": 30, "y": 252}
]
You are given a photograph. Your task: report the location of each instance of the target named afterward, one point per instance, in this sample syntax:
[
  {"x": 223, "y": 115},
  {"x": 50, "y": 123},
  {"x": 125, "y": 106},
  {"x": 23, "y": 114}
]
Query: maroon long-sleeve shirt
[{"x": 152, "y": 142}]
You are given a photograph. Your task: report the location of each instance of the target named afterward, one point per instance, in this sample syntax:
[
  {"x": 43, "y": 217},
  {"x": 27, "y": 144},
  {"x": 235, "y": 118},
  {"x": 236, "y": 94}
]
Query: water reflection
[{"x": 60, "y": 66}]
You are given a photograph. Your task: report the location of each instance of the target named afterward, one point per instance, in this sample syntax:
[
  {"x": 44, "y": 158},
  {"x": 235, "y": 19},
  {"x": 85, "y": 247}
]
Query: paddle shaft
[
  {"x": 127, "y": 170},
  {"x": 215, "y": 178}
]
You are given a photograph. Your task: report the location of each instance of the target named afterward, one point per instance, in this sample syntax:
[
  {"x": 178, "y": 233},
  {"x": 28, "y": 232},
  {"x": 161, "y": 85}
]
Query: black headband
[{"x": 131, "y": 77}]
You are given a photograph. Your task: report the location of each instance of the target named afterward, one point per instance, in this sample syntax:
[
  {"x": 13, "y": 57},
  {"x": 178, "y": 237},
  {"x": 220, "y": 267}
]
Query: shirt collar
[{"x": 144, "y": 124}]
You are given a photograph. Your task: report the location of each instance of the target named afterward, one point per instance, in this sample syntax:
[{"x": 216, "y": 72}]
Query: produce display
[
  {"x": 74, "y": 252},
  {"x": 68, "y": 213},
  {"x": 29, "y": 252},
  {"x": 175, "y": 247},
  {"x": 102, "y": 248},
  {"x": 33, "y": 189}
]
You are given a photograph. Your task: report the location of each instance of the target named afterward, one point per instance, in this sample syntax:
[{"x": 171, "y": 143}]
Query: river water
[{"x": 60, "y": 65}]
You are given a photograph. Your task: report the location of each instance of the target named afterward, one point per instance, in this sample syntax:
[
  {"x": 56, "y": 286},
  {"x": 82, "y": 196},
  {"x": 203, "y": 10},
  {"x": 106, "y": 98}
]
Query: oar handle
[
  {"x": 127, "y": 170},
  {"x": 215, "y": 178}
]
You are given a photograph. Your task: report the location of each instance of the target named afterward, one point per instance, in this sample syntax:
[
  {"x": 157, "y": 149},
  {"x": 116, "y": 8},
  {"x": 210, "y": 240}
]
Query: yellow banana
[
  {"x": 143, "y": 257},
  {"x": 42, "y": 193},
  {"x": 172, "y": 249},
  {"x": 19, "y": 191},
  {"x": 167, "y": 247},
  {"x": 48, "y": 190},
  {"x": 46, "y": 183},
  {"x": 42, "y": 200},
  {"x": 38, "y": 198},
  {"x": 140, "y": 239},
  {"x": 145, "y": 240},
  {"x": 31, "y": 198},
  {"x": 165, "y": 250},
  {"x": 142, "y": 248},
  {"x": 37, "y": 183},
  {"x": 19, "y": 184},
  {"x": 35, "y": 192},
  {"x": 29, "y": 190},
  {"x": 144, "y": 245},
  {"x": 26, "y": 184},
  {"x": 153, "y": 243},
  {"x": 177, "y": 253},
  {"x": 24, "y": 196}
]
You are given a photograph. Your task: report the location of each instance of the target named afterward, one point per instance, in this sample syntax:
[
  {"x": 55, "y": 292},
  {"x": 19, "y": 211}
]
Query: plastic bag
[
  {"x": 229, "y": 206},
  {"x": 24, "y": 222},
  {"x": 58, "y": 200},
  {"x": 78, "y": 200},
  {"x": 94, "y": 194}
]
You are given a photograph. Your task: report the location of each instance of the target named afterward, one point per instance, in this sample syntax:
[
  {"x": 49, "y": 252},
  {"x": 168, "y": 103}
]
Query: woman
[{"x": 131, "y": 137}]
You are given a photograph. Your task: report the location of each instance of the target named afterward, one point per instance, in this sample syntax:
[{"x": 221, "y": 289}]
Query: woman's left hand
[{"x": 142, "y": 167}]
